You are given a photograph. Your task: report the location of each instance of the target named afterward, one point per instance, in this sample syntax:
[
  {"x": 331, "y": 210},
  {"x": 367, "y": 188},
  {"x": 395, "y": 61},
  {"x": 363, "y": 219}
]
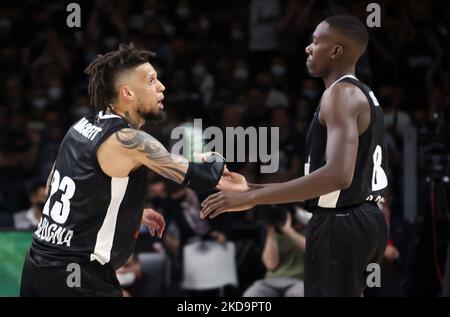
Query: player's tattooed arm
[{"x": 153, "y": 154}]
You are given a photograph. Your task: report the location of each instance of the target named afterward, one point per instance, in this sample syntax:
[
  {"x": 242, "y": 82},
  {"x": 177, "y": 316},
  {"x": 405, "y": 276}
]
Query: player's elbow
[
  {"x": 344, "y": 180},
  {"x": 340, "y": 178}
]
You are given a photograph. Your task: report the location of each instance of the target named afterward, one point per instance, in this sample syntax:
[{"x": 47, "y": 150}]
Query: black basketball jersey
[
  {"x": 369, "y": 179},
  {"x": 89, "y": 216}
]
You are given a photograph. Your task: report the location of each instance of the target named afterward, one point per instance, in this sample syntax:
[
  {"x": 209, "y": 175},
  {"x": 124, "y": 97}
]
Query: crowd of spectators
[{"x": 229, "y": 62}]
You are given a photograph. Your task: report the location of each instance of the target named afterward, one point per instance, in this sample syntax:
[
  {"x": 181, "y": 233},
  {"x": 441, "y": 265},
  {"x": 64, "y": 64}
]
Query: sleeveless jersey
[
  {"x": 369, "y": 178},
  {"x": 88, "y": 215}
]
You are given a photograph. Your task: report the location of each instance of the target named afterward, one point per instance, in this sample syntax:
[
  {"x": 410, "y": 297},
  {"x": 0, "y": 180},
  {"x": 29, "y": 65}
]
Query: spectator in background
[
  {"x": 263, "y": 38},
  {"x": 185, "y": 208},
  {"x": 397, "y": 124},
  {"x": 232, "y": 118},
  {"x": 238, "y": 36},
  {"x": 186, "y": 226},
  {"x": 234, "y": 41},
  {"x": 18, "y": 155},
  {"x": 273, "y": 96},
  {"x": 283, "y": 256},
  {"x": 240, "y": 77},
  {"x": 397, "y": 121},
  {"x": 156, "y": 199},
  {"x": 204, "y": 81},
  {"x": 309, "y": 88},
  {"x": 14, "y": 94},
  {"x": 279, "y": 71},
  {"x": 303, "y": 113},
  {"x": 254, "y": 107},
  {"x": 129, "y": 276},
  {"x": 52, "y": 134},
  {"x": 29, "y": 219},
  {"x": 289, "y": 149}
]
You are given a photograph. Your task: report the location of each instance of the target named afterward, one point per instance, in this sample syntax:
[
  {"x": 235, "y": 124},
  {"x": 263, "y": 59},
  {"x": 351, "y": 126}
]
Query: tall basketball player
[
  {"x": 344, "y": 170},
  {"x": 97, "y": 186}
]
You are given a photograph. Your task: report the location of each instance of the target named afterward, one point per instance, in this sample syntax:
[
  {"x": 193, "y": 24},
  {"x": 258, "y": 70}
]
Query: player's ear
[
  {"x": 126, "y": 92},
  {"x": 337, "y": 51}
]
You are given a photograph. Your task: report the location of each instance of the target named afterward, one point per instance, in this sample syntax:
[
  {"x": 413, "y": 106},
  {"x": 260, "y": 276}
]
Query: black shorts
[
  {"x": 94, "y": 280},
  {"x": 340, "y": 244}
]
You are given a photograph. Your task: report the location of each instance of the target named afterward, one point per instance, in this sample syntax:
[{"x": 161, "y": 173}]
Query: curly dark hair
[{"x": 104, "y": 70}]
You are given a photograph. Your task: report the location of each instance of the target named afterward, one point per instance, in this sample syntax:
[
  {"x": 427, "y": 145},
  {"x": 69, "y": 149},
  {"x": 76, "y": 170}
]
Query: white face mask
[
  {"x": 302, "y": 215},
  {"x": 126, "y": 279}
]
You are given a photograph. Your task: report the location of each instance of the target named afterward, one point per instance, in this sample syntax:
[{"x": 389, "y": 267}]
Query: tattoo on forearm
[{"x": 160, "y": 160}]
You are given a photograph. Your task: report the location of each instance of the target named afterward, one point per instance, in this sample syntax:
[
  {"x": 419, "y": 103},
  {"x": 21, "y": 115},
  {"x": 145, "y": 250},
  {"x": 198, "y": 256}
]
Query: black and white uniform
[
  {"x": 90, "y": 219},
  {"x": 347, "y": 231}
]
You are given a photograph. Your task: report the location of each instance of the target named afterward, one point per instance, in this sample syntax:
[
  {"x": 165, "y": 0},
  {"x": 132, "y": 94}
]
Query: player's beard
[{"x": 154, "y": 117}]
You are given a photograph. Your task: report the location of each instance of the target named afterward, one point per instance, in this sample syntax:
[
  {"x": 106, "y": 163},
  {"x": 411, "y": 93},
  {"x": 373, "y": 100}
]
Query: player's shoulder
[
  {"x": 133, "y": 139},
  {"x": 126, "y": 138},
  {"x": 345, "y": 91},
  {"x": 343, "y": 97}
]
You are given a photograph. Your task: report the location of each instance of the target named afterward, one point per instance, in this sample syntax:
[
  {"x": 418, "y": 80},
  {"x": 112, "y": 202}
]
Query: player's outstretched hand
[
  {"x": 231, "y": 181},
  {"x": 206, "y": 156},
  {"x": 154, "y": 220},
  {"x": 225, "y": 201}
]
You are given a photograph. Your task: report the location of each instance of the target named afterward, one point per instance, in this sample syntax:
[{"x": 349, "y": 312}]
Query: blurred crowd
[{"x": 231, "y": 63}]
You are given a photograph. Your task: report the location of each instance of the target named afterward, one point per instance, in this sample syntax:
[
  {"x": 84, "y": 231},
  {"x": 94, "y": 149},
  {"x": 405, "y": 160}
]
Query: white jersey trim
[
  {"x": 107, "y": 116},
  {"x": 329, "y": 200},
  {"x": 105, "y": 236},
  {"x": 340, "y": 78}
]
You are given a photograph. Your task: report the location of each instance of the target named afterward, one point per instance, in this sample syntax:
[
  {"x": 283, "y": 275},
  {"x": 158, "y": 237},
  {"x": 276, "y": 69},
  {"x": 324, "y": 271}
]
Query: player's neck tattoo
[{"x": 133, "y": 123}]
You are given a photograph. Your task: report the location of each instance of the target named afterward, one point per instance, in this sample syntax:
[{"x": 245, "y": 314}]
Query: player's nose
[
  {"x": 161, "y": 87},
  {"x": 308, "y": 49}
]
